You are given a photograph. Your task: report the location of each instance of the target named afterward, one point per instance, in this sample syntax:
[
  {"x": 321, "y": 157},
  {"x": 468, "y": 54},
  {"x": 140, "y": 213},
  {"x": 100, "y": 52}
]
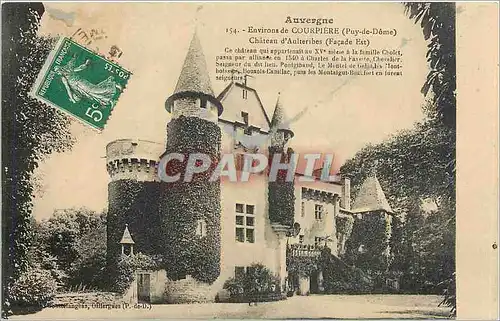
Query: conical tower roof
[
  {"x": 194, "y": 74},
  {"x": 194, "y": 80},
  {"x": 127, "y": 238},
  {"x": 371, "y": 197},
  {"x": 280, "y": 120}
]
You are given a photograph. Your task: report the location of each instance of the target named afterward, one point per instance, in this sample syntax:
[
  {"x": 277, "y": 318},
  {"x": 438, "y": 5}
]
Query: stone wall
[
  {"x": 88, "y": 299},
  {"x": 188, "y": 290}
]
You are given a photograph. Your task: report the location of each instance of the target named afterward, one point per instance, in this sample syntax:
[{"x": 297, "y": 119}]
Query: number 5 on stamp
[{"x": 80, "y": 83}]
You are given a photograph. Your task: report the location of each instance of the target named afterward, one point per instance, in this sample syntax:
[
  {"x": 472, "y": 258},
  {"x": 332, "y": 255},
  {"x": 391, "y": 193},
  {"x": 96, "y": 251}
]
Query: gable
[{"x": 234, "y": 104}]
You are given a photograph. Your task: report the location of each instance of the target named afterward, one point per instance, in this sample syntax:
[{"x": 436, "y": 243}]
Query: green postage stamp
[{"x": 80, "y": 83}]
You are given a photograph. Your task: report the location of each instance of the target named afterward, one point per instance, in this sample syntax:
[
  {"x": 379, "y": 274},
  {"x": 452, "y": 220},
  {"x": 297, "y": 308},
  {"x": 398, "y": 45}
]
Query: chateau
[{"x": 207, "y": 232}]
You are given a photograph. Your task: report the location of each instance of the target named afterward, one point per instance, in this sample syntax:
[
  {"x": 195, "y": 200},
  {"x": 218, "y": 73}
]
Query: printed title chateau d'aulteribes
[{"x": 206, "y": 232}]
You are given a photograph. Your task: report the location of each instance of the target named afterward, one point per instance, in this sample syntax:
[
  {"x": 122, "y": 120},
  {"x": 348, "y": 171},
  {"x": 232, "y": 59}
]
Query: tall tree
[
  {"x": 437, "y": 20},
  {"x": 419, "y": 164},
  {"x": 30, "y": 130},
  {"x": 438, "y": 25}
]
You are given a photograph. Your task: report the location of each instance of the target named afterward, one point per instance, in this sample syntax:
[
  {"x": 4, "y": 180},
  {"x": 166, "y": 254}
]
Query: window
[
  {"x": 201, "y": 228},
  {"x": 302, "y": 209},
  {"x": 240, "y": 236},
  {"x": 301, "y": 239},
  {"x": 245, "y": 223},
  {"x": 241, "y": 271},
  {"x": 250, "y": 270},
  {"x": 317, "y": 240},
  {"x": 318, "y": 211},
  {"x": 250, "y": 236},
  {"x": 244, "y": 115}
]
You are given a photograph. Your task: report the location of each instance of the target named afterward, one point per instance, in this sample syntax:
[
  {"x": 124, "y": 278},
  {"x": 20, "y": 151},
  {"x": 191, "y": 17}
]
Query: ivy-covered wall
[
  {"x": 183, "y": 204},
  {"x": 338, "y": 277},
  {"x": 136, "y": 204},
  {"x": 344, "y": 224},
  {"x": 368, "y": 246},
  {"x": 281, "y": 194}
]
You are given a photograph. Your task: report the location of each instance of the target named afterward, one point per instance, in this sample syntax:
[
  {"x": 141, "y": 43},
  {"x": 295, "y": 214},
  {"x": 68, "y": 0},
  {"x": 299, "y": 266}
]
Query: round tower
[
  {"x": 133, "y": 195},
  {"x": 191, "y": 210}
]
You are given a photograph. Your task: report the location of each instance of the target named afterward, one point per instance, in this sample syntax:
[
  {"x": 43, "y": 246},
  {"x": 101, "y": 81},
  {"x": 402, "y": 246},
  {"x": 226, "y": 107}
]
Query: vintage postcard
[{"x": 205, "y": 160}]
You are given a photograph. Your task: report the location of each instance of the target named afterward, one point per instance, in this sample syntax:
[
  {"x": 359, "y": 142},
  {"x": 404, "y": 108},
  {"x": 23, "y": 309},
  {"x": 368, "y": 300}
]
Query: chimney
[{"x": 346, "y": 192}]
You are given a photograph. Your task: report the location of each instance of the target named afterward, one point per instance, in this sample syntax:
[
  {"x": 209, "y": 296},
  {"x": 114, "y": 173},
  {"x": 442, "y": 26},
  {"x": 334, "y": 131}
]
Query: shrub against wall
[
  {"x": 258, "y": 284},
  {"x": 184, "y": 205},
  {"x": 136, "y": 204}
]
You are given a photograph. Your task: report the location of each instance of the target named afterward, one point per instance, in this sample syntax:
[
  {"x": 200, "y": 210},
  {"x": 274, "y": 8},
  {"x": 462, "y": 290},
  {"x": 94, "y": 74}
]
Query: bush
[
  {"x": 234, "y": 286},
  {"x": 34, "y": 288},
  {"x": 89, "y": 266},
  {"x": 258, "y": 284},
  {"x": 260, "y": 279}
]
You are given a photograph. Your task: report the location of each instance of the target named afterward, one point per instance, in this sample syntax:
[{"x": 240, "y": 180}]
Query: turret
[
  {"x": 132, "y": 167},
  {"x": 185, "y": 206},
  {"x": 133, "y": 159},
  {"x": 372, "y": 227},
  {"x": 280, "y": 126}
]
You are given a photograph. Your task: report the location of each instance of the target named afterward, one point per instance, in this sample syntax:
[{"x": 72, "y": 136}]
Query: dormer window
[{"x": 244, "y": 115}]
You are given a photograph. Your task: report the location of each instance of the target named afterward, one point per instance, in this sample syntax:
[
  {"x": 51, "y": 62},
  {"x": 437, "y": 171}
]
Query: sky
[{"x": 343, "y": 115}]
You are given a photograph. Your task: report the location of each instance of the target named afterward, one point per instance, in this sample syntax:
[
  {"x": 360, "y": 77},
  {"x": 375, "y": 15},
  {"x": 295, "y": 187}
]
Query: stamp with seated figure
[{"x": 81, "y": 83}]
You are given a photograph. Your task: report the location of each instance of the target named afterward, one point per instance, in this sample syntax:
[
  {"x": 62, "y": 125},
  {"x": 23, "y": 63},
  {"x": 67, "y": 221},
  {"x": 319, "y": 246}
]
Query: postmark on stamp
[{"x": 81, "y": 83}]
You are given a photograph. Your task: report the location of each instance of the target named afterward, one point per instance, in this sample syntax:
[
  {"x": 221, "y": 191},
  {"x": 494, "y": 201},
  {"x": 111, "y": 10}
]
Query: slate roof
[
  {"x": 127, "y": 238},
  {"x": 280, "y": 120},
  {"x": 194, "y": 74},
  {"x": 371, "y": 197}
]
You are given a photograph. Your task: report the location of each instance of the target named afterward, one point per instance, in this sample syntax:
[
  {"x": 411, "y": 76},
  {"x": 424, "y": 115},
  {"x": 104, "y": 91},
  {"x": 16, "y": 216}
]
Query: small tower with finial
[{"x": 127, "y": 242}]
